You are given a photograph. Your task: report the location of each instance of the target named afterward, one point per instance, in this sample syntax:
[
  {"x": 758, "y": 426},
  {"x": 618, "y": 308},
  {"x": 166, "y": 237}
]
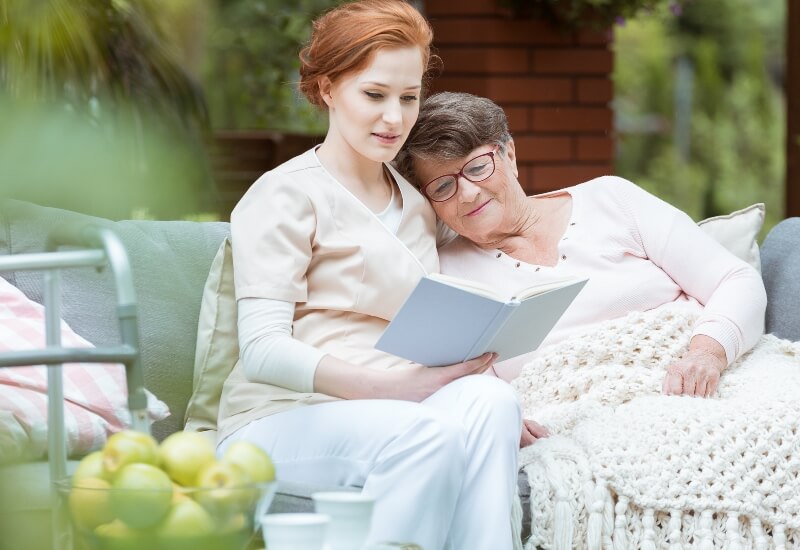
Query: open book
[{"x": 447, "y": 320}]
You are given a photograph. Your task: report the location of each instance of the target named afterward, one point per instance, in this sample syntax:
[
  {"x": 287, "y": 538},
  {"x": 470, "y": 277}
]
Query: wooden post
[{"x": 793, "y": 108}]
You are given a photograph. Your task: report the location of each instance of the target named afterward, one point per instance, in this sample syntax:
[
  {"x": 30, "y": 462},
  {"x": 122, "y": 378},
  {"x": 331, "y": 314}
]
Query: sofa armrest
[{"x": 780, "y": 267}]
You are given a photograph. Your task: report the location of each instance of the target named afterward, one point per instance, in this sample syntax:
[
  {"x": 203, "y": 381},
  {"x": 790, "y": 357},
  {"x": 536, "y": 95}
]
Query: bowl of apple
[{"x": 136, "y": 494}]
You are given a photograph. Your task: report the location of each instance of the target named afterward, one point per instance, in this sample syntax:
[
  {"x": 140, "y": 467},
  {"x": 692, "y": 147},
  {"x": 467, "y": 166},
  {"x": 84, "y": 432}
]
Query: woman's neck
[
  {"x": 363, "y": 177},
  {"x": 535, "y": 230}
]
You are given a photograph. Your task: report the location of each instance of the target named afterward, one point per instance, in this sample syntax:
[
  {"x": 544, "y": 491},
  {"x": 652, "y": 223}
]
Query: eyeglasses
[{"x": 475, "y": 170}]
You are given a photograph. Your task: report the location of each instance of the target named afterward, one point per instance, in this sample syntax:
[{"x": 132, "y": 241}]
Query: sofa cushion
[
  {"x": 217, "y": 343},
  {"x": 738, "y": 232},
  {"x": 780, "y": 260},
  {"x": 170, "y": 262},
  {"x": 95, "y": 395}
]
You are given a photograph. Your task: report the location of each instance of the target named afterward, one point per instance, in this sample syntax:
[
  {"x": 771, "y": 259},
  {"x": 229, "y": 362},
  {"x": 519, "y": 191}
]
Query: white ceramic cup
[
  {"x": 351, "y": 516},
  {"x": 294, "y": 531}
]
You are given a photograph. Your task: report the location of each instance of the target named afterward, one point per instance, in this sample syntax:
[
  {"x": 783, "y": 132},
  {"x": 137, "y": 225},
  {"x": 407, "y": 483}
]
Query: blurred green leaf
[
  {"x": 736, "y": 154},
  {"x": 252, "y": 70},
  {"x": 57, "y": 157}
]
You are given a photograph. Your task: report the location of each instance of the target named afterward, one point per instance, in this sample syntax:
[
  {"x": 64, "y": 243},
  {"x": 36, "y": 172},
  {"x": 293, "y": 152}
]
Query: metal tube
[
  {"x": 128, "y": 326},
  {"x": 119, "y": 354},
  {"x": 56, "y": 441},
  {"x": 52, "y": 260}
]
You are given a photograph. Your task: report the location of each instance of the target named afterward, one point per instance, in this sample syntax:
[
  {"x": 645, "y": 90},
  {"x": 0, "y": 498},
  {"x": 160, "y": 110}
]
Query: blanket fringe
[
  {"x": 649, "y": 524},
  {"x": 596, "y": 498},
  {"x": 705, "y": 531},
  {"x": 621, "y": 524},
  {"x": 779, "y": 536},
  {"x": 516, "y": 520},
  {"x": 734, "y": 541},
  {"x": 562, "y": 524},
  {"x": 675, "y": 518},
  {"x": 759, "y": 537}
]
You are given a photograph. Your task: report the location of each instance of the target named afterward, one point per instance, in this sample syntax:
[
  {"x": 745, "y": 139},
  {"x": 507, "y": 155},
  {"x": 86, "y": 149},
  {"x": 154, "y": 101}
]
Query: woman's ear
[
  {"x": 325, "y": 87},
  {"x": 511, "y": 154}
]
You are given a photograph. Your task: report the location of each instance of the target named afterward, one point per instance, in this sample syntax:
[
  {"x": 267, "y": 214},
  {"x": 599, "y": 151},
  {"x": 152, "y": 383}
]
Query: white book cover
[{"x": 446, "y": 321}]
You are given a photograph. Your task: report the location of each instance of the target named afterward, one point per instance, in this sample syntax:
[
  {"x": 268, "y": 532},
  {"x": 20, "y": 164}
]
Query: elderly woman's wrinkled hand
[
  {"x": 532, "y": 432},
  {"x": 697, "y": 373}
]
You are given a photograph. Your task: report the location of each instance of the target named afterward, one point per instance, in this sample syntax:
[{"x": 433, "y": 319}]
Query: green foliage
[
  {"x": 97, "y": 52},
  {"x": 733, "y": 152},
  {"x": 253, "y": 65},
  {"x": 110, "y": 168},
  {"x": 583, "y": 13},
  {"x": 99, "y": 111}
]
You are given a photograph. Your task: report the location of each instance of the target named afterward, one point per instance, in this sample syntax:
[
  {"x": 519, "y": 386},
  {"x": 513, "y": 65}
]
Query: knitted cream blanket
[{"x": 631, "y": 468}]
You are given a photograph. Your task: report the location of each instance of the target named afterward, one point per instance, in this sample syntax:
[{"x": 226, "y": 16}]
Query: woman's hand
[
  {"x": 698, "y": 371},
  {"x": 414, "y": 383},
  {"x": 419, "y": 382},
  {"x": 532, "y": 432}
]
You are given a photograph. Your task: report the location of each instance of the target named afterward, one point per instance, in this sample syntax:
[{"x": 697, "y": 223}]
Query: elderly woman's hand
[
  {"x": 698, "y": 371},
  {"x": 532, "y": 432}
]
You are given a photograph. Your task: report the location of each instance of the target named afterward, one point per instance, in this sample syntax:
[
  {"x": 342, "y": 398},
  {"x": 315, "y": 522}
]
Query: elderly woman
[{"x": 637, "y": 251}]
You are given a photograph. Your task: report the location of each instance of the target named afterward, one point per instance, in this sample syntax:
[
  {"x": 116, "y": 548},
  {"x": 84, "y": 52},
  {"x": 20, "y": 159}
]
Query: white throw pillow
[{"x": 738, "y": 231}]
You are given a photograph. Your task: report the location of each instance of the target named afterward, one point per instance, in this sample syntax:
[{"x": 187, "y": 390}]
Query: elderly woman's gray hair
[{"x": 450, "y": 126}]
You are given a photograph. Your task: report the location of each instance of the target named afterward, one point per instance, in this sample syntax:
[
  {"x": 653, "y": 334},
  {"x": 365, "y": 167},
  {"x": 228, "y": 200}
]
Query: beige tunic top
[{"x": 299, "y": 235}]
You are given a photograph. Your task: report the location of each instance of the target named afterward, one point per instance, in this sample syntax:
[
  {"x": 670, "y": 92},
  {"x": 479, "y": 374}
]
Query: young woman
[{"x": 326, "y": 247}]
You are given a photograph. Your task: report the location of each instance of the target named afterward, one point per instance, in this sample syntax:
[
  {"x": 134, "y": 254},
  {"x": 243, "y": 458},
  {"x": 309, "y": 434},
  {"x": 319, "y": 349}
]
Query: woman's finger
[
  {"x": 673, "y": 383},
  {"x": 702, "y": 387},
  {"x": 536, "y": 429},
  {"x": 481, "y": 363}
]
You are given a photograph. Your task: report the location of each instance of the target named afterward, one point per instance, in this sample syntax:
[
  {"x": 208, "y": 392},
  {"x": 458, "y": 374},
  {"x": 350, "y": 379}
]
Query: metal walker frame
[{"x": 100, "y": 247}]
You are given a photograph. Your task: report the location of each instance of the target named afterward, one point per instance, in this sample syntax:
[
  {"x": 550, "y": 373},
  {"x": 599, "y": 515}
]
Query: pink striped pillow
[{"x": 95, "y": 394}]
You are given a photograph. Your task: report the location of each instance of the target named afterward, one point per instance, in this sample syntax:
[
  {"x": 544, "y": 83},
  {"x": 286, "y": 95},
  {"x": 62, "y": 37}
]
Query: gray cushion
[
  {"x": 170, "y": 262},
  {"x": 780, "y": 260}
]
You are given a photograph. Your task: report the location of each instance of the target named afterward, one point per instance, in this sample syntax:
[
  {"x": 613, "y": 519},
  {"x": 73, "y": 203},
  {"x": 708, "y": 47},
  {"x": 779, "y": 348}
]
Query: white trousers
[{"x": 443, "y": 472}]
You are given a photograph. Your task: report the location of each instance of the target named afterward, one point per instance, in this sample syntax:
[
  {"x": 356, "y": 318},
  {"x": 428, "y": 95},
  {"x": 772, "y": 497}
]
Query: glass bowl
[{"x": 186, "y": 518}]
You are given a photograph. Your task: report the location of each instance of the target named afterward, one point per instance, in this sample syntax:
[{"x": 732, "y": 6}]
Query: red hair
[{"x": 344, "y": 40}]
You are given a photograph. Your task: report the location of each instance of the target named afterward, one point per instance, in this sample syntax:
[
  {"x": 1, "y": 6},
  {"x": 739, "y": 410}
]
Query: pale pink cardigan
[{"x": 639, "y": 253}]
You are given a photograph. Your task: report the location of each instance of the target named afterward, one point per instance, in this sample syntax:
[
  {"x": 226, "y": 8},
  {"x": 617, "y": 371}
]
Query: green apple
[
  {"x": 142, "y": 495},
  {"x": 118, "y": 536},
  {"x": 89, "y": 502},
  {"x": 186, "y": 526},
  {"x": 223, "y": 490},
  {"x": 90, "y": 466},
  {"x": 128, "y": 447},
  {"x": 186, "y": 519},
  {"x": 251, "y": 458},
  {"x": 184, "y": 454}
]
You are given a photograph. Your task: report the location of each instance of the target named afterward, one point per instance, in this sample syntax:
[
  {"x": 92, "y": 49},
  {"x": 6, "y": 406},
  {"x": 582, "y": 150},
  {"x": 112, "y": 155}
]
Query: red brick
[
  {"x": 434, "y": 8},
  {"x": 588, "y": 37},
  {"x": 538, "y": 148},
  {"x": 470, "y": 85},
  {"x": 595, "y": 90},
  {"x": 499, "y": 31},
  {"x": 595, "y": 148},
  {"x": 517, "y": 118},
  {"x": 510, "y": 89},
  {"x": 484, "y": 60},
  {"x": 548, "y": 178},
  {"x": 525, "y": 177},
  {"x": 571, "y": 119},
  {"x": 572, "y": 61}
]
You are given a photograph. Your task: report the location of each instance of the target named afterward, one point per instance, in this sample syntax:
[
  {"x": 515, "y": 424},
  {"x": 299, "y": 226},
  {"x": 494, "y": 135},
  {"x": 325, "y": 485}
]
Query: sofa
[{"x": 171, "y": 261}]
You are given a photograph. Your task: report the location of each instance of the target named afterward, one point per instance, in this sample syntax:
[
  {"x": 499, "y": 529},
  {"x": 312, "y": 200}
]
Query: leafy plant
[
  {"x": 584, "y": 13},
  {"x": 96, "y": 53},
  {"x": 732, "y": 152},
  {"x": 253, "y": 65},
  {"x": 99, "y": 113}
]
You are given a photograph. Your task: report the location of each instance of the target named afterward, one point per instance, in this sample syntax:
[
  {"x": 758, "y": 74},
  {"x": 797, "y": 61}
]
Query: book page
[
  {"x": 468, "y": 285},
  {"x": 525, "y": 293}
]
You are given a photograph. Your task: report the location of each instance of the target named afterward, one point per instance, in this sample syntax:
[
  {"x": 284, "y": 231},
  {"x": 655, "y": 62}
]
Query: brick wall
[{"x": 554, "y": 85}]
